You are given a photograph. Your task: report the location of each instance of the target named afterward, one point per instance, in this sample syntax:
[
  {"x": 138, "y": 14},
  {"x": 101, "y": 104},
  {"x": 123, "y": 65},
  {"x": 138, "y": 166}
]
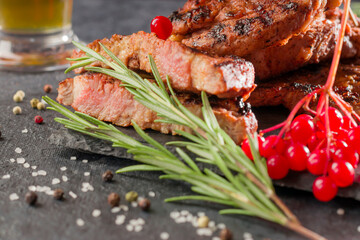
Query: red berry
[
  {"x": 277, "y": 167},
  {"x": 316, "y": 163},
  {"x": 246, "y": 147},
  {"x": 354, "y": 138},
  {"x": 38, "y": 119},
  {"x": 342, "y": 173},
  {"x": 302, "y": 128},
  {"x": 162, "y": 27},
  {"x": 347, "y": 125},
  {"x": 324, "y": 189},
  {"x": 297, "y": 155},
  {"x": 342, "y": 134},
  {"x": 315, "y": 143},
  {"x": 347, "y": 154},
  {"x": 335, "y": 117},
  {"x": 269, "y": 148}
]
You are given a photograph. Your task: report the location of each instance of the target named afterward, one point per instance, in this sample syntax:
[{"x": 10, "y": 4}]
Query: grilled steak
[
  {"x": 290, "y": 88},
  {"x": 188, "y": 70},
  {"x": 239, "y": 27},
  {"x": 102, "y": 97},
  {"x": 315, "y": 45}
]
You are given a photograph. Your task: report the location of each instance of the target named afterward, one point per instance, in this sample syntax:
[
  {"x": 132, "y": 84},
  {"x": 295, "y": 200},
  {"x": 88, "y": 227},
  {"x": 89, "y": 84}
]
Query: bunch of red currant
[{"x": 305, "y": 147}]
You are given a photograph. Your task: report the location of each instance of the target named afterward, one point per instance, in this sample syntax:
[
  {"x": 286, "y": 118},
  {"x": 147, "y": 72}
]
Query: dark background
[{"x": 50, "y": 219}]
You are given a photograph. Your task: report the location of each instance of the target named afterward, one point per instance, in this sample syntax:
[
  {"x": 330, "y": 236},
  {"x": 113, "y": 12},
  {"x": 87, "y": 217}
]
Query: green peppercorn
[
  {"x": 203, "y": 222},
  {"x": 17, "y": 110},
  {"x": 34, "y": 102},
  {"x": 17, "y": 98},
  {"x": 131, "y": 196},
  {"x": 40, "y": 106}
]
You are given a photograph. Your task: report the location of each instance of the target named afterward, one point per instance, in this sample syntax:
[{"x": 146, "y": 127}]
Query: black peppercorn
[
  {"x": 58, "y": 194},
  {"x": 114, "y": 199},
  {"x": 31, "y": 197},
  {"x": 107, "y": 176},
  {"x": 226, "y": 234},
  {"x": 144, "y": 204}
]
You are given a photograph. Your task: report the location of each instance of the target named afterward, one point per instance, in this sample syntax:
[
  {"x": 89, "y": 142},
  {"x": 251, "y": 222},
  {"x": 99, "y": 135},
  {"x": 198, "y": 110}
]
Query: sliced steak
[
  {"x": 103, "y": 98},
  {"x": 315, "y": 45},
  {"x": 239, "y": 27},
  {"x": 188, "y": 70},
  {"x": 290, "y": 88}
]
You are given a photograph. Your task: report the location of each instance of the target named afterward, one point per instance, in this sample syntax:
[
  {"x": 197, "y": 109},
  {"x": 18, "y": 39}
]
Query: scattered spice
[
  {"x": 114, "y": 199},
  {"x": 17, "y": 98},
  {"x": 131, "y": 196},
  {"x": 226, "y": 234},
  {"x": 48, "y": 88},
  {"x": 144, "y": 204},
  {"x": 34, "y": 102},
  {"x": 20, "y": 93},
  {"x": 17, "y": 110},
  {"x": 40, "y": 106},
  {"x": 203, "y": 222},
  {"x": 107, "y": 176},
  {"x": 38, "y": 119},
  {"x": 31, "y": 198},
  {"x": 58, "y": 194}
]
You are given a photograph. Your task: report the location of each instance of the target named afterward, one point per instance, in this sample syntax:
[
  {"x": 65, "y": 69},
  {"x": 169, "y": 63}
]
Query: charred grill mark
[
  {"x": 290, "y": 6},
  {"x": 226, "y": 63},
  {"x": 266, "y": 19},
  {"x": 203, "y": 13},
  {"x": 243, "y": 26},
  {"x": 200, "y": 13},
  {"x": 176, "y": 16},
  {"x": 306, "y": 88},
  {"x": 216, "y": 33},
  {"x": 245, "y": 108}
]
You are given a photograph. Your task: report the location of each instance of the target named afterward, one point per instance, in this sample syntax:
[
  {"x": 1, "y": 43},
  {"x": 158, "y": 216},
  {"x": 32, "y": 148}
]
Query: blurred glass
[{"x": 35, "y": 35}]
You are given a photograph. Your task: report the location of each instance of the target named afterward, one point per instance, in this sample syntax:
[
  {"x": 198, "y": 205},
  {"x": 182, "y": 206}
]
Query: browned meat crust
[
  {"x": 102, "y": 97},
  {"x": 239, "y": 27},
  {"x": 290, "y": 88},
  {"x": 315, "y": 45},
  {"x": 188, "y": 70}
]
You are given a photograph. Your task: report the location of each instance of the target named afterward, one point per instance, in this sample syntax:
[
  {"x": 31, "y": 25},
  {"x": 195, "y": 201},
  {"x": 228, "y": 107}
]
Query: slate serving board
[{"x": 267, "y": 117}]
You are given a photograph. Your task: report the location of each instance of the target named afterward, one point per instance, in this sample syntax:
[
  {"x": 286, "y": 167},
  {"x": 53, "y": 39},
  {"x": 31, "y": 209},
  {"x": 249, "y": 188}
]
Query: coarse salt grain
[
  {"x": 63, "y": 169},
  {"x": 358, "y": 228},
  {"x": 18, "y": 150},
  {"x": 26, "y": 165},
  {"x": 140, "y": 221},
  {"x": 215, "y": 238},
  {"x": 181, "y": 219},
  {"x": 20, "y": 160},
  {"x": 42, "y": 173},
  {"x": 96, "y": 213},
  {"x": 204, "y": 232},
  {"x": 12, "y": 160},
  {"x": 129, "y": 227},
  {"x": 86, "y": 174},
  {"x": 115, "y": 210},
  {"x": 13, "y": 197},
  {"x": 247, "y": 236},
  {"x": 6, "y": 176},
  {"x": 151, "y": 194},
  {"x": 124, "y": 208},
  {"x": 184, "y": 212},
  {"x": 138, "y": 228},
  {"x": 201, "y": 214},
  {"x": 24, "y": 130},
  {"x": 64, "y": 178},
  {"x": 80, "y": 222},
  {"x": 72, "y": 194},
  {"x": 134, "y": 204},
  {"x": 340, "y": 211},
  {"x": 32, "y": 188},
  {"x": 34, "y": 174},
  {"x": 164, "y": 235},
  {"x": 85, "y": 161},
  {"x": 49, "y": 192},
  {"x": 221, "y": 226},
  {"x": 72, "y": 158},
  {"x": 174, "y": 214},
  {"x": 34, "y": 167},
  {"x": 120, "y": 219},
  {"x": 211, "y": 224},
  {"x": 55, "y": 181}
]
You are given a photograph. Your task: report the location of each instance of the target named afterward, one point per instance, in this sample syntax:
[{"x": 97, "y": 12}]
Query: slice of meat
[
  {"x": 238, "y": 27},
  {"x": 103, "y": 98},
  {"x": 188, "y": 70},
  {"x": 290, "y": 88},
  {"x": 310, "y": 47}
]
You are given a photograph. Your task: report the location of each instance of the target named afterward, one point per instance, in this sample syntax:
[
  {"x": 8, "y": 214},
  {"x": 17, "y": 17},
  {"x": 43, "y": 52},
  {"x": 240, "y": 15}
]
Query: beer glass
[{"x": 35, "y": 35}]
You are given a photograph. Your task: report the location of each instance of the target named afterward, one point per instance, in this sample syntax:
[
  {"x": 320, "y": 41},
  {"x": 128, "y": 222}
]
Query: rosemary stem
[{"x": 304, "y": 231}]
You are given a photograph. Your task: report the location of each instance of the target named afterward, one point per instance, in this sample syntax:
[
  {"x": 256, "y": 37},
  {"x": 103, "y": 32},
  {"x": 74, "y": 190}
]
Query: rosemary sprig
[{"x": 246, "y": 187}]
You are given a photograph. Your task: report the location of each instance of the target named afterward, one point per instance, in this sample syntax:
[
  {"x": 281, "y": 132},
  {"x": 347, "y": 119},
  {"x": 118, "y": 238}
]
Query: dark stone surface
[{"x": 51, "y": 219}]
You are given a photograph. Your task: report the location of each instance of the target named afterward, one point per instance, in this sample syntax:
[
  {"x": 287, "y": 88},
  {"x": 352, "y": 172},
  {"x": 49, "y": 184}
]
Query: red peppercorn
[
  {"x": 38, "y": 119},
  {"x": 162, "y": 27}
]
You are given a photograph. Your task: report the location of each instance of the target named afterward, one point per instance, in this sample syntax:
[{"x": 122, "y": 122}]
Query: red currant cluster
[{"x": 305, "y": 147}]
